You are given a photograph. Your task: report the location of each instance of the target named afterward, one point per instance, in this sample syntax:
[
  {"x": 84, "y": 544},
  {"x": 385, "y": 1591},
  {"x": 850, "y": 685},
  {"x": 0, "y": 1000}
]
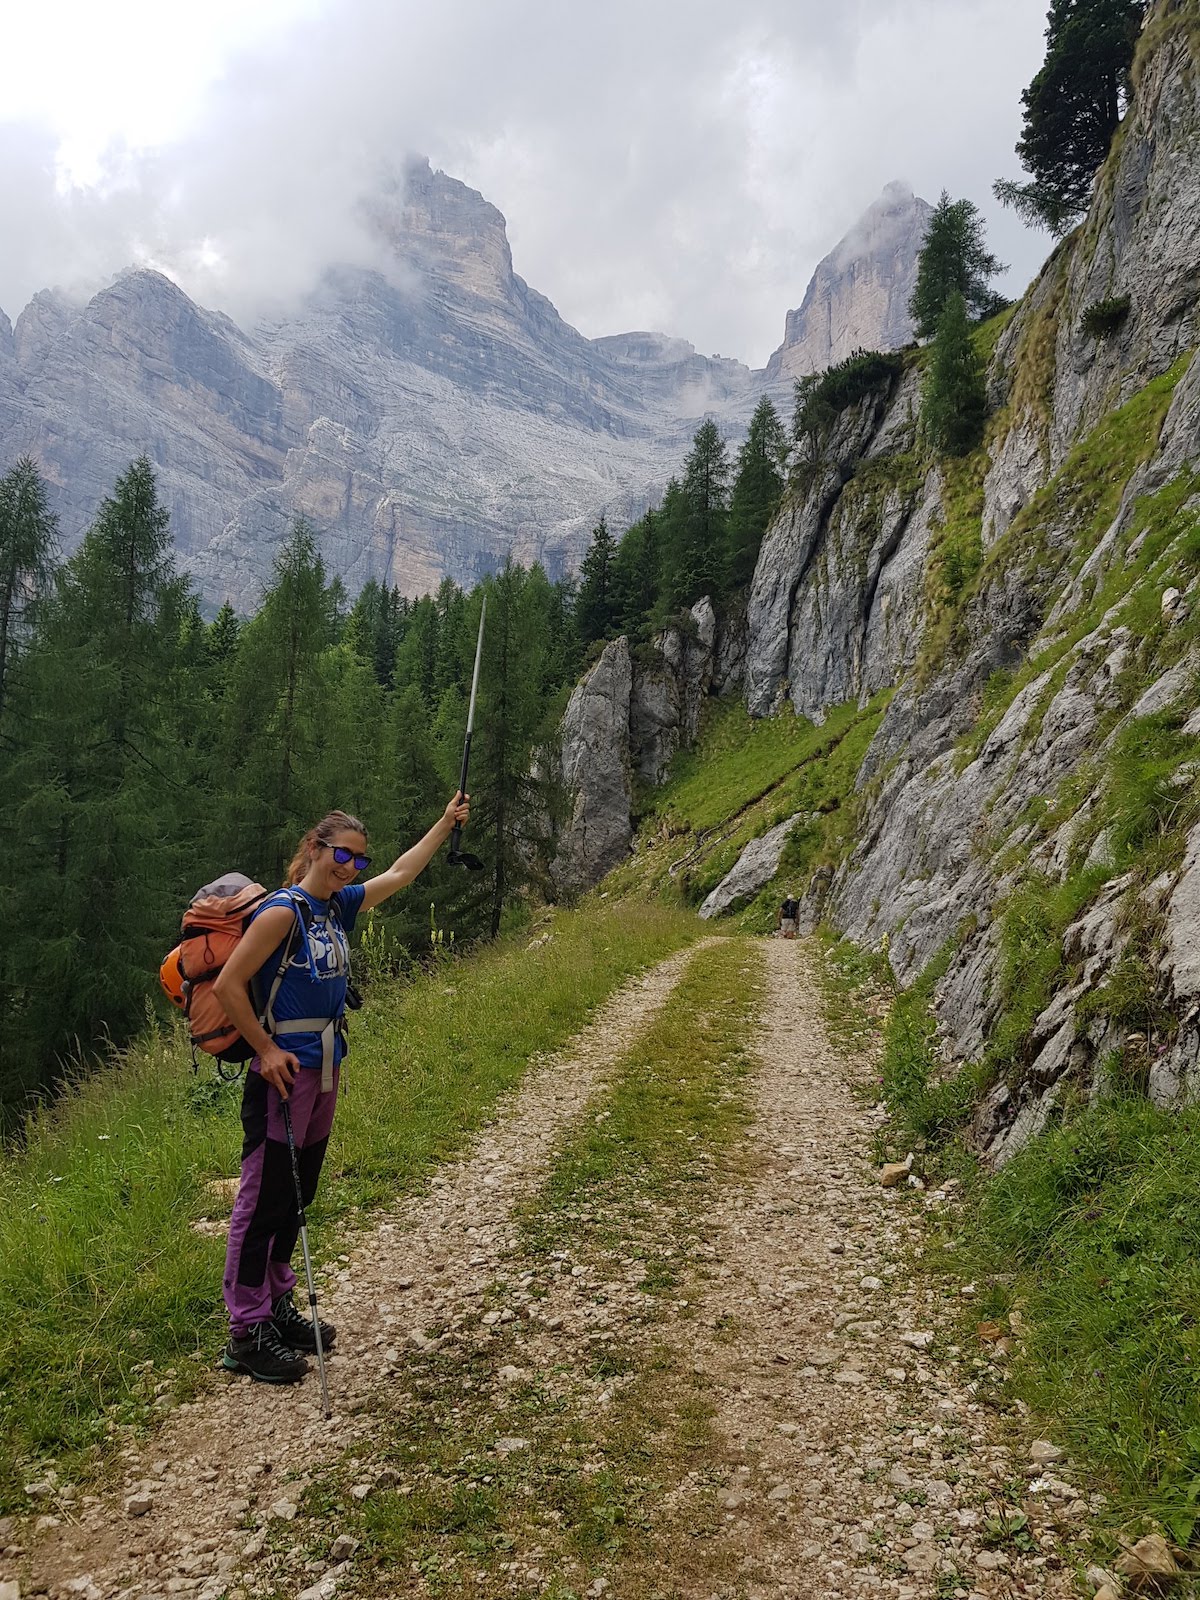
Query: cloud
[{"x": 660, "y": 165}]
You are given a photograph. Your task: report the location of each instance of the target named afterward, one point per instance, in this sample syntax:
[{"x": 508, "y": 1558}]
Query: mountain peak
[
  {"x": 858, "y": 297},
  {"x": 445, "y": 229}
]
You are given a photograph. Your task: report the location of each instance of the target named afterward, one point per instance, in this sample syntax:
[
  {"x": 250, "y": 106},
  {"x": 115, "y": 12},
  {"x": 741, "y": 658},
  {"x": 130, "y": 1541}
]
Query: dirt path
[
  {"x": 216, "y": 1458},
  {"x": 847, "y": 1453},
  {"x": 862, "y": 1463}
]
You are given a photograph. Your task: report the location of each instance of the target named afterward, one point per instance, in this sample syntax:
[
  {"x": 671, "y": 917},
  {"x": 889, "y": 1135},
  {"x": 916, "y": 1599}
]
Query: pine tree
[
  {"x": 954, "y": 259},
  {"x": 595, "y": 609},
  {"x": 1073, "y": 107},
  {"x": 28, "y": 539},
  {"x": 694, "y": 560},
  {"x": 510, "y": 817},
  {"x": 98, "y": 792},
  {"x": 224, "y": 633},
  {"x": 637, "y": 574},
  {"x": 954, "y": 403},
  {"x": 757, "y": 491},
  {"x": 417, "y": 654},
  {"x": 273, "y": 724},
  {"x": 412, "y": 787}
]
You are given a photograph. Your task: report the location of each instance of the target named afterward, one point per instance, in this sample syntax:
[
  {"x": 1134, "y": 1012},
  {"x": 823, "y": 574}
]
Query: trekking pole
[
  {"x": 308, "y": 1271},
  {"x": 459, "y": 857}
]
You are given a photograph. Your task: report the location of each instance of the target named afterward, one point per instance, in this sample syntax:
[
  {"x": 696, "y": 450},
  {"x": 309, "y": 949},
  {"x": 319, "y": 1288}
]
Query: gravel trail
[
  {"x": 214, "y": 1460},
  {"x": 866, "y": 1466},
  {"x": 853, "y": 1452}
]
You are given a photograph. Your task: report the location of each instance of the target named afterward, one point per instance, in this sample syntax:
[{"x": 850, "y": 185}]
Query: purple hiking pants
[{"x": 266, "y": 1222}]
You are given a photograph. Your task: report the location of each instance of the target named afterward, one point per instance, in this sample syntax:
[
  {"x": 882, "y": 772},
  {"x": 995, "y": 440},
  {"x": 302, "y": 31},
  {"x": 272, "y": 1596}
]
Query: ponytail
[{"x": 322, "y": 833}]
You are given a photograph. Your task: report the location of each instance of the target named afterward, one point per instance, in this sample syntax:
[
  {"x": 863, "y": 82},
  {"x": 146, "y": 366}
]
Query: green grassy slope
[{"x": 741, "y": 779}]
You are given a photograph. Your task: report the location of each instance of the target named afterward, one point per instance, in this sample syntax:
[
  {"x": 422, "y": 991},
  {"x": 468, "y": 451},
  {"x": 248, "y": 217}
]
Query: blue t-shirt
[{"x": 314, "y": 984}]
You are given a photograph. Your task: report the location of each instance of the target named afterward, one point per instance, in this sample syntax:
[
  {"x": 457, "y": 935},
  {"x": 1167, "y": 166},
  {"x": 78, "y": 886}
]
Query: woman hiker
[{"x": 298, "y": 937}]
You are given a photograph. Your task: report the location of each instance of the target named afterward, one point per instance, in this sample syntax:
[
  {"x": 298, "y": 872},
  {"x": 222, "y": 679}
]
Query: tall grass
[
  {"x": 1094, "y": 1231},
  {"x": 108, "y": 1291}
]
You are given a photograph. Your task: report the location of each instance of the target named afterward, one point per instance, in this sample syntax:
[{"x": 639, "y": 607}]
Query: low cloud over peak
[{"x": 662, "y": 169}]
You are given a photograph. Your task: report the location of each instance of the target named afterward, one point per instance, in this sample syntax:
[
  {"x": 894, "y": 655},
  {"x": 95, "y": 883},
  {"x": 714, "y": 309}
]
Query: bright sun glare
[{"x": 131, "y": 73}]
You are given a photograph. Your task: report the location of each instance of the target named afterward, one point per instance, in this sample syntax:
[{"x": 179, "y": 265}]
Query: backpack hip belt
[{"x": 328, "y": 1028}]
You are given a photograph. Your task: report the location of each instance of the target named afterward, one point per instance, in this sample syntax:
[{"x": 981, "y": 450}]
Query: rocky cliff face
[
  {"x": 626, "y": 719},
  {"x": 858, "y": 297},
  {"x": 1037, "y": 608}
]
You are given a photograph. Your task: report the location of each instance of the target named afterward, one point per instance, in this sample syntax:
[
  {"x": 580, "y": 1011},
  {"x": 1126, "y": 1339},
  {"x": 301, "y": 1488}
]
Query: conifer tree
[
  {"x": 223, "y": 634},
  {"x": 510, "y": 819},
  {"x": 28, "y": 539},
  {"x": 595, "y": 609},
  {"x": 1073, "y": 107},
  {"x": 757, "y": 490},
  {"x": 275, "y": 711},
  {"x": 954, "y": 259},
  {"x": 954, "y": 403},
  {"x": 98, "y": 790},
  {"x": 637, "y": 573},
  {"x": 417, "y": 654},
  {"x": 695, "y": 558},
  {"x": 411, "y": 789}
]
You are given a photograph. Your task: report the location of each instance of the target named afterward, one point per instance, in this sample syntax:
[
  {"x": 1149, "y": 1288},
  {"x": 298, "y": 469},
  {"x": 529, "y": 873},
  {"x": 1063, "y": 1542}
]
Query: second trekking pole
[
  {"x": 459, "y": 857},
  {"x": 308, "y": 1271}
]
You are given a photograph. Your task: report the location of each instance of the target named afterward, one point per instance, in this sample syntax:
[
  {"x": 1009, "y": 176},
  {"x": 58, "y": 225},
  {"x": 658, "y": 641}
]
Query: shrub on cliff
[{"x": 823, "y": 396}]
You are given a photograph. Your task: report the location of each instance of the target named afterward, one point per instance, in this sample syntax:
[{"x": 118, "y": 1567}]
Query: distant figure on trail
[
  {"x": 787, "y": 919},
  {"x": 309, "y": 917}
]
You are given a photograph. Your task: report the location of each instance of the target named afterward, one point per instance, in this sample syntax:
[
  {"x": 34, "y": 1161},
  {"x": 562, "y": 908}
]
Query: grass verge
[{"x": 109, "y": 1294}]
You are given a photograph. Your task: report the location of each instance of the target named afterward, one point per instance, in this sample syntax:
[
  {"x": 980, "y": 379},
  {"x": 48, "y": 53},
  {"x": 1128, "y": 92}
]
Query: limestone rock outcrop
[
  {"x": 629, "y": 715},
  {"x": 596, "y": 773},
  {"x": 754, "y": 869},
  {"x": 962, "y": 809},
  {"x": 669, "y": 687},
  {"x": 834, "y": 609}
]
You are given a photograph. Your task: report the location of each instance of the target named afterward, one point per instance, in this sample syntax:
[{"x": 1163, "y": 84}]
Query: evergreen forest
[{"x": 146, "y": 749}]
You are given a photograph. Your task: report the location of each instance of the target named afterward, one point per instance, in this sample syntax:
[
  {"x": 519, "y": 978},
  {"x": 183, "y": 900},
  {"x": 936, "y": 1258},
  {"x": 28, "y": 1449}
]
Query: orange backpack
[{"x": 213, "y": 925}]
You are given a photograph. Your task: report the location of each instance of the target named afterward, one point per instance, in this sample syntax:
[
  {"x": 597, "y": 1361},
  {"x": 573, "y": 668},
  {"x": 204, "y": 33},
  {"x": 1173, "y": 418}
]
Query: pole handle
[{"x": 456, "y": 831}]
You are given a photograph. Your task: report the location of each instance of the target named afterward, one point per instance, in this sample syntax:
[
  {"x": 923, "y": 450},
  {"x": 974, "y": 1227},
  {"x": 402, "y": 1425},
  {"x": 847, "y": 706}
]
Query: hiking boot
[
  {"x": 295, "y": 1329},
  {"x": 264, "y": 1355}
]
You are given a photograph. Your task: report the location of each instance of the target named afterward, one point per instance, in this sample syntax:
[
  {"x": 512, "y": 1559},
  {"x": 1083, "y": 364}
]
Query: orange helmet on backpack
[{"x": 170, "y": 975}]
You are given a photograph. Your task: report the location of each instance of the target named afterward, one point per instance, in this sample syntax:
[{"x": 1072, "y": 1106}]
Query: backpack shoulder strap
[{"x": 298, "y": 931}]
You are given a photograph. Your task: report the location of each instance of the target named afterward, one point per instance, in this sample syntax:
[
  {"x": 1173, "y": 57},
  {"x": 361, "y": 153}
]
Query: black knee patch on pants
[
  {"x": 274, "y": 1214},
  {"x": 254, "y": 1114},
  {"x": 309, "y": 1160}
]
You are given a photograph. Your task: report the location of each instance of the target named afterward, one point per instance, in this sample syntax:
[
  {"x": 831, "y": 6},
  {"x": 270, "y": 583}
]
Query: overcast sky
[{"x": 661, "y": 165}]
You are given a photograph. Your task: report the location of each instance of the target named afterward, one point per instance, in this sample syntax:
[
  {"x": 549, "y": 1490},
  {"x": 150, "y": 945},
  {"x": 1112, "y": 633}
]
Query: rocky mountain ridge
[
  {"x": 1034, "y": 613},
  {"x": 427, "y": 419}
]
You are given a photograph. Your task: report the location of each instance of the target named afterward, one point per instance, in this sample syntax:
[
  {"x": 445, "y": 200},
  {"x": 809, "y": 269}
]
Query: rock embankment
[{"x": 1036, "y": 612}]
